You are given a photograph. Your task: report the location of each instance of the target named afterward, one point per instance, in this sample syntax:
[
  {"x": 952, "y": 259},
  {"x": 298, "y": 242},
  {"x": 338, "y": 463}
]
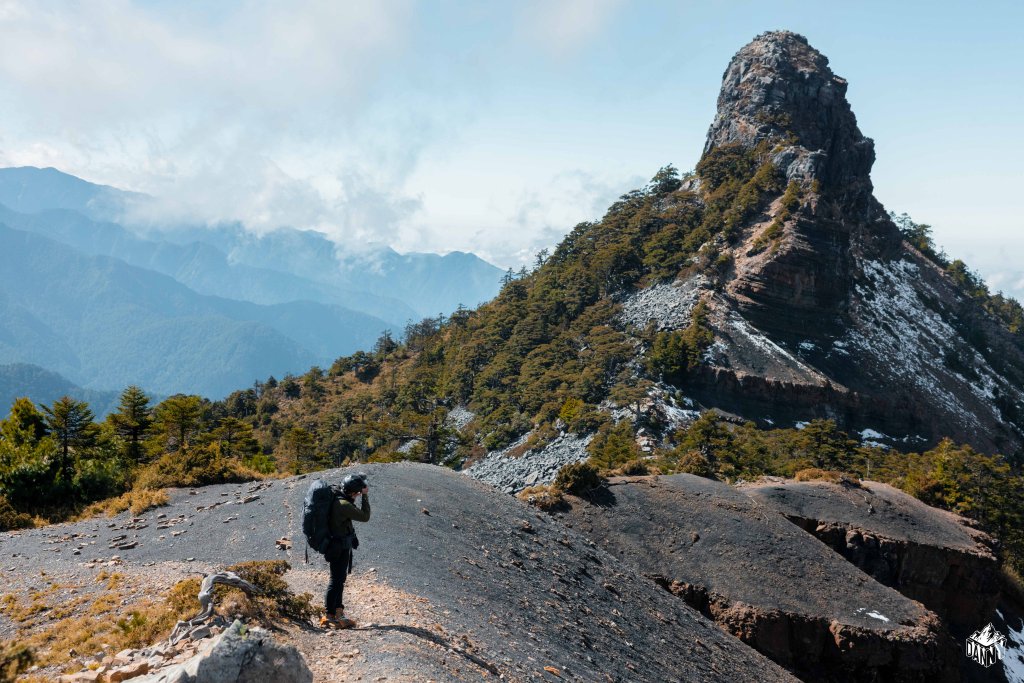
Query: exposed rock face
[
  {"x": 929, "y": 555},
  {"x": 778, "y": 87},
  {"x": 765, "y": 581},
  {"x": 834, "y": 315},
  {"x": 239, "y": 655}
]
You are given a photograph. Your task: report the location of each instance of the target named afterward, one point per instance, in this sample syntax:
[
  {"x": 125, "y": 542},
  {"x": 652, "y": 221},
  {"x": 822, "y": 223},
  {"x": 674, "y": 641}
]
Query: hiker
[{"x": 343, "y": 542}]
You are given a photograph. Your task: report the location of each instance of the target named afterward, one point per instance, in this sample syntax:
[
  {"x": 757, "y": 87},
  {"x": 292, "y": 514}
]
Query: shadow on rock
[{"x": 436, "y": 639}]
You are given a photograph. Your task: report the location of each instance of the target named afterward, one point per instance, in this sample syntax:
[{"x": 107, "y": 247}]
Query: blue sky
[{"x": 493, "y": 127}]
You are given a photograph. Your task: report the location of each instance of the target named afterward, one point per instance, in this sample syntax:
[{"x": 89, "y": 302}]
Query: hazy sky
[{"x": 494, "y": 127}]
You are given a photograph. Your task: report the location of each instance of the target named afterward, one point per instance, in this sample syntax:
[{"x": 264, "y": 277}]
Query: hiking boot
[
  {"x": 341, "y": 621},
  {"x": 328, "y": 620}
]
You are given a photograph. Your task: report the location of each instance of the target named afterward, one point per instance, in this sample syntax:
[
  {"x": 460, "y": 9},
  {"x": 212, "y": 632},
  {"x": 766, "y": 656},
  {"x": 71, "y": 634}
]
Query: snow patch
[
  {"x": 874, "y": 614},
  {"x": 1013, "y": 655},
  {"x": 769, "y": 349},
  {"x": 895, "y": 324}
]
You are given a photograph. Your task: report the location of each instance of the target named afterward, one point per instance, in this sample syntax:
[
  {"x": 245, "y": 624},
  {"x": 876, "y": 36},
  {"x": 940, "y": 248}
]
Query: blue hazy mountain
[
  {"x": 227, "y": 260},
  {"x": 43, "y": 386},
  {"x": 200, "y": 265},
  {"x": 29, "y": 190},
  {"x": 105, "y": 302},
  {"x": 429, "y": 283},
  {"x": 103, "y": 323}
]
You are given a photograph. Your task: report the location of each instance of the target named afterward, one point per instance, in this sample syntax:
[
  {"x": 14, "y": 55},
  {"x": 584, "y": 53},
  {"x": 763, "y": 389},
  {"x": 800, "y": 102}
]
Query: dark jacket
[{"x": 343, "y": 512}]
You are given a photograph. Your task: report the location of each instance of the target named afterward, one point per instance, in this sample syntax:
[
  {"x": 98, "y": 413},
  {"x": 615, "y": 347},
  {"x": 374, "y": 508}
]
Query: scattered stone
[
  {"x": 128, "y": 672},
  {"x": 513, "y": 469},
  {"x": 200, "y": 633}
]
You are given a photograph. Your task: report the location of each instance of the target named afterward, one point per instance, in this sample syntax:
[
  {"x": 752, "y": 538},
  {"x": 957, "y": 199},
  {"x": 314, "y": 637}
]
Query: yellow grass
[{"x": 137, "y": 501}]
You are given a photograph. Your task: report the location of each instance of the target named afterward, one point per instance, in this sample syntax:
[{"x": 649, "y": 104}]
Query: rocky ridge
[
  {"x": 825, "y": 312},
  {"x": 490, "y": 585},
  {"x": 929, "y": 555},
  {"x": 765, "y": 581}
]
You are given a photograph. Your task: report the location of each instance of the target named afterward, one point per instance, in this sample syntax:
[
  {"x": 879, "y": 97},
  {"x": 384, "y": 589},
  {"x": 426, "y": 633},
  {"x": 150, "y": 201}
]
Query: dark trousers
[{"x": 336, "y": 587}]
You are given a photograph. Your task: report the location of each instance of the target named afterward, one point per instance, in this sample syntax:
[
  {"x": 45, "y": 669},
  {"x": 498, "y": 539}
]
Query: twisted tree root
[{"x": 185, "y": 628}]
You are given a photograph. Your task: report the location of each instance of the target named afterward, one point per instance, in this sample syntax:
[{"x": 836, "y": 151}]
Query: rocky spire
[{"x": 781, "y": 89}]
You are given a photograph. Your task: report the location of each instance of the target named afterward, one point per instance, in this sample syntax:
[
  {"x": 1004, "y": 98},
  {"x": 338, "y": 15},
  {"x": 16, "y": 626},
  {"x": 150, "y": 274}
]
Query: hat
[{"x": 353, "y": 483}]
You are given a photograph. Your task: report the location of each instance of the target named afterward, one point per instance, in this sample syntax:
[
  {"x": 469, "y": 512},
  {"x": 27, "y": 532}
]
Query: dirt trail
[{"x": 457, "y": 580}]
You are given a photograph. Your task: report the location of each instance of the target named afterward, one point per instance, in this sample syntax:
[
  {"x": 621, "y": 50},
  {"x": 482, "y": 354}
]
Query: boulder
[{"x": 239, "y": 655}]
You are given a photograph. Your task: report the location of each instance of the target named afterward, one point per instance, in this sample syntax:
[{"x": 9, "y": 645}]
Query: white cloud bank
[{"x": 310, "y": 113}]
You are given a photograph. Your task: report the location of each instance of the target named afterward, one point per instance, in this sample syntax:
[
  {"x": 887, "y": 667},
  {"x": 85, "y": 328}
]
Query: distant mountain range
[
  {"x": 46, "y": 387},
  {"x": 106, "y": 303}
]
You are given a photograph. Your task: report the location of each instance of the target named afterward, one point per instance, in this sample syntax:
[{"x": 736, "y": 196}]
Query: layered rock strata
[
  {"x": 929, "y": 555},
  {"x": 764, "y": 581}
]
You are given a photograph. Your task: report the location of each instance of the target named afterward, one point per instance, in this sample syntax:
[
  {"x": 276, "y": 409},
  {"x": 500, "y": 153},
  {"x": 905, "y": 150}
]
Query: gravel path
[{"x": 478, "y": 572}]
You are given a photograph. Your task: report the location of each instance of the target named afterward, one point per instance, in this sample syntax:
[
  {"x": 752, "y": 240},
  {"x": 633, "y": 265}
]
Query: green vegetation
[
  {"x": 543, "y": 350},
  {"x": 541, "y": 357},
  {"x": 675, "y": 354},
  {"x": 579, "y": 479},
  {"x": 1005, "y": 309},
  {"x": 790, "y": 202},
  {"x": 56, "y": 460}
]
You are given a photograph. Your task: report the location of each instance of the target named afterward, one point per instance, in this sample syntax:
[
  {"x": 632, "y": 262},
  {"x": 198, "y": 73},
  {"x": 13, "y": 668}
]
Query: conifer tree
[
  {"x": 70, "y": 422},
  {"x": 132, "y": 420},
  {"x": 178, "y": 420}
]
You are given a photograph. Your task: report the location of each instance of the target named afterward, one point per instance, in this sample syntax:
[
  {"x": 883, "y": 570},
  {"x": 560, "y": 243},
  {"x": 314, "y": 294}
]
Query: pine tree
[
  {"x": 132, "y": 420},
  {"x": 178, "y": 419},
  {"x": 70, "y": 422},
  {"x": 236, "y": 438}
]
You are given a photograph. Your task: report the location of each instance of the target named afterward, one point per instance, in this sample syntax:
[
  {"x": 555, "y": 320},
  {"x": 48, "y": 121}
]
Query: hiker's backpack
[{"x": 316, "y": 510}]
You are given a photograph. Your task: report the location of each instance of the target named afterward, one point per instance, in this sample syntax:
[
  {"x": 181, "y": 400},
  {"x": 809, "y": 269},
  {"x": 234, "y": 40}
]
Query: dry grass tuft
[
  {"x": 69, "y": 632},
  {"x": 105, "y": 625},
  {"x": 137, "y": 501},
  {"x": 275, "y": 601},
  {"x": 14, "y": 659},
  {"x": 546, "y": 498}
]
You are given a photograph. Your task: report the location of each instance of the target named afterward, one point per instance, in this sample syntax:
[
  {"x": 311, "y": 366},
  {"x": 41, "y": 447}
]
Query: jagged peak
[{"x": 779, "y": 88}]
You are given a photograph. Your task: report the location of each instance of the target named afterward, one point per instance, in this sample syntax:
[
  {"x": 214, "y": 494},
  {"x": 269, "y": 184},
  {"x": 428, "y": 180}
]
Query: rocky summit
[{"x": 824, "y": 309}]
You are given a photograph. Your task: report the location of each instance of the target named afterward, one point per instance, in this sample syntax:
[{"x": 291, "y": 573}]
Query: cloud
[
  {"x": 542, "y": 215},
  {"x": 562, "y": 27},
  {"x": 313, "y": 114},
  {"x": 110, "y": 60},
  {"x": 265, "y": 113},
  {"x": 1010, "y": 283}
]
